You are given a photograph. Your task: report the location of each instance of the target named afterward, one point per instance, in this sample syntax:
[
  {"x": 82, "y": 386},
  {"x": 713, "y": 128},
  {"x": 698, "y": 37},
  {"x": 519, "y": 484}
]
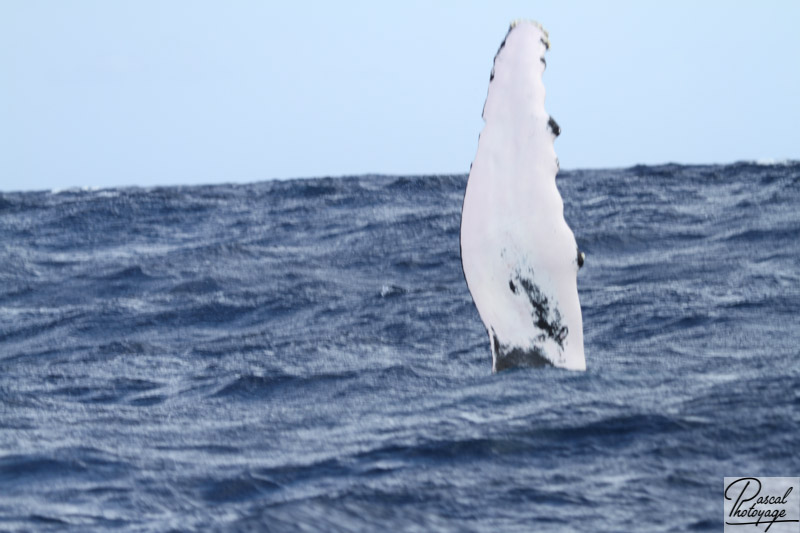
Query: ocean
[{"x": 304, "y": 355}]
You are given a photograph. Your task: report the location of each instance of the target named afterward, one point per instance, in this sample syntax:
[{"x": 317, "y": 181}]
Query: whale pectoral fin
[{"x": 518, "y": 253}]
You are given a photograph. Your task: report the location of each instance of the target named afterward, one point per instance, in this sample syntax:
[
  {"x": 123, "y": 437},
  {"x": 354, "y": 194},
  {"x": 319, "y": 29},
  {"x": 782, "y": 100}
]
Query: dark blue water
[{"x": 305, "y": 355}]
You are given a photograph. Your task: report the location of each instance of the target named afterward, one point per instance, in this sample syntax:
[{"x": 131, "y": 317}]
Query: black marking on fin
[
  {"x": 581, "y": 257},
  {"x": 554, "y": 127},
  {"x": 502, "y": 44},
  {"x": 561, "y": 334},
  {"x": 516, "y": 357},
  {"x": 543, "y": 61},
  {"x": 545, "y": 43},
  {"x": 545, "y": 320},
  {"x": 512, "y": 286}
]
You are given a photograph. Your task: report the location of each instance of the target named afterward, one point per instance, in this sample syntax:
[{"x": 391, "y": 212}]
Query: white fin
[{"x": 519, "y": 256}]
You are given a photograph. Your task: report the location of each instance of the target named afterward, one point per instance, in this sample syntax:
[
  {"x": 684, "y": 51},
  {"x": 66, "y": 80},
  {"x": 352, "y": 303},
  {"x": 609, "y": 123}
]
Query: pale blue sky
[{"x": 107, "y": 93}]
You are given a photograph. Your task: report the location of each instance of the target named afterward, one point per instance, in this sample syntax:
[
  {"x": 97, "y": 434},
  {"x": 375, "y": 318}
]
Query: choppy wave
[{"x": 305, "y": 355}]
